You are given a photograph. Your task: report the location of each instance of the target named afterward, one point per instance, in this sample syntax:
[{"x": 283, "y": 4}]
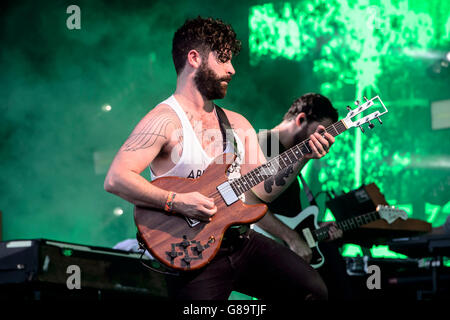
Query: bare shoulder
[
  {"x": 162, "y": 114},
  {"x": 155, "y": 128},
  {"x": 161, "y": 109}
]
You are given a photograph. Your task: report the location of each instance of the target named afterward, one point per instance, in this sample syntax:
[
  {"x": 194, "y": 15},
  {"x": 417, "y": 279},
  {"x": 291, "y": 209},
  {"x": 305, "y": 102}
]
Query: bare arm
[
  {"x": 278, "y": 229},
  {"x": 153, "y": 135},
  {"x": 272, "y": 187},
  {"x": 139, "y": 150}
]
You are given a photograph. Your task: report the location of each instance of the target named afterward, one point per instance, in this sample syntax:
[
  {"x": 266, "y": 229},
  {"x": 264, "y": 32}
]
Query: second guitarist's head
[{"x": 305, "y": 115}]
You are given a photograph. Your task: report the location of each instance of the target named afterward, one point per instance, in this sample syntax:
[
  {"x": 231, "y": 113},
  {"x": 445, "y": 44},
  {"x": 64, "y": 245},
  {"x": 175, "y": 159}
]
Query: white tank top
[{"x": 194, "y": 160}]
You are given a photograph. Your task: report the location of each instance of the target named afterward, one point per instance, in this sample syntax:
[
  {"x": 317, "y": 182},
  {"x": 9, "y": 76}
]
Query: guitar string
[{"x": 336, "y": 126}]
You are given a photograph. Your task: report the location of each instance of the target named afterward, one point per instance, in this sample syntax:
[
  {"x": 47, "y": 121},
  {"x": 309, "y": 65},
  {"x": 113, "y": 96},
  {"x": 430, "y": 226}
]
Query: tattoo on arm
[
  {"x": 279, "y": 179},
  {"x": 154, "y": 129}
]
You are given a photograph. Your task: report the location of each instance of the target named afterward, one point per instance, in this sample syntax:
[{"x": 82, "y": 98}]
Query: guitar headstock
[
  {"x": 390, "y": 214},
  {"x": 366, "y": 119}
]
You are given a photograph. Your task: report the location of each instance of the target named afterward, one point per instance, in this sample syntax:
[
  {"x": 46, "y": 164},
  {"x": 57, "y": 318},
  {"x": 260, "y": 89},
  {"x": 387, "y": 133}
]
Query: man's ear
[
  {"x": 300, "y": 119},
  {"x": 194, "y": 59}
]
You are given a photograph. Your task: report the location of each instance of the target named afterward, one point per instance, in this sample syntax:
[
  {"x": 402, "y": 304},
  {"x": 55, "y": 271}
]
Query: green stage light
[{"x": 356, "y": 48}]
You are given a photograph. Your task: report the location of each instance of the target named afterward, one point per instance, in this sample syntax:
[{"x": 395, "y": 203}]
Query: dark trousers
[
  {"x": 334, "y": 272},
  {"x": 254, "y": 265}
]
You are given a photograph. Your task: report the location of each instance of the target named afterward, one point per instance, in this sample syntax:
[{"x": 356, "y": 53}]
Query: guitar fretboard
[
  {"x": 285, "y": 159},
  {"x": 348, "y": 224}
]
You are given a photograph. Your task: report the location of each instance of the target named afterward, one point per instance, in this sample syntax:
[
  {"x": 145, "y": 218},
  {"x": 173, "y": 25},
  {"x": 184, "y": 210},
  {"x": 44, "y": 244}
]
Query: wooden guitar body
[{"x": 171, "y": 239}]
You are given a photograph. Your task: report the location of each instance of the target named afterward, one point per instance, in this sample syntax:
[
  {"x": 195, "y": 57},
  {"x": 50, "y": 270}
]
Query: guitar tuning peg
[
  {"x": 365, "y": 98},
  {"x": 357, "y": 102},
  {"x": 349, "y": 109},
  {"x": 371, "y": 125},
  {"x": 361, "y": 129},
  {"x": 381, "y": 122}
]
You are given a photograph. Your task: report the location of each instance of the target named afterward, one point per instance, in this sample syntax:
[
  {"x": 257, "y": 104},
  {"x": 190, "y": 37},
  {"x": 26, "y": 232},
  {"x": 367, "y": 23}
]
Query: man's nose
[{"x": 230, "y": 69}]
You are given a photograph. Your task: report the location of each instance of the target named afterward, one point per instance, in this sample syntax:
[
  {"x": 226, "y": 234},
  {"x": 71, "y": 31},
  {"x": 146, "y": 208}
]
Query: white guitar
[{"x": 306, "y": 224}]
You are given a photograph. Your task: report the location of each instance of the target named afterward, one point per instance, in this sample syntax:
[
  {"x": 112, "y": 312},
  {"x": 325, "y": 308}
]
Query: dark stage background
[{"x": 69, "y": 99}]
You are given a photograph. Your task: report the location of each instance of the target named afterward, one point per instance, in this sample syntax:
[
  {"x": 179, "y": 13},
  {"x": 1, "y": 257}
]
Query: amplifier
[
  {"x": 40, "y": 268},
  {"x": 356, "y": 202}
]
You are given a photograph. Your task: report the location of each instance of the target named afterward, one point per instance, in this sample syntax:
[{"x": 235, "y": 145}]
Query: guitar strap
[
  {"x": 309, "y": 194},
  {"x": 228, "y": 136},
  {"x": 225, "y": 129}
]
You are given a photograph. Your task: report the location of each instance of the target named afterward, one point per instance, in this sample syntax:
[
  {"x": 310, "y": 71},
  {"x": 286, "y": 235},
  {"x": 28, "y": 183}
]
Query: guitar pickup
[
  {"x": 227, "y": 193},
  {"x": 309, "y": 238}
]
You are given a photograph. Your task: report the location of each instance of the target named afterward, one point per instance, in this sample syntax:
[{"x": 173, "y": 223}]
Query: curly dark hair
[
  {"x": 204, "y": 35},
  {"x": 316, "y": 107}
]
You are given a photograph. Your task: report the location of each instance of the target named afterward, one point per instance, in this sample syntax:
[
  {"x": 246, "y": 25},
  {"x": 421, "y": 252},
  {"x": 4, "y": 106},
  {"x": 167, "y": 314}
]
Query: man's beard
[{"x": 209, "y": 85}]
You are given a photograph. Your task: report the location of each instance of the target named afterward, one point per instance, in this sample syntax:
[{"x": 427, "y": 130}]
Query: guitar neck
[
  {"x": 348, "y": 224},
  {"x": 285, "y": 159}
]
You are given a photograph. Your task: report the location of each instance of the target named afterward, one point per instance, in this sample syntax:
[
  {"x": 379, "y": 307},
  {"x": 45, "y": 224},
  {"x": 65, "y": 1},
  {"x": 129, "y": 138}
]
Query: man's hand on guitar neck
[
  {"x": 333, "y": 232},
  {"x": 194, "y": 205},
  {"x": 320, "y": 143}
]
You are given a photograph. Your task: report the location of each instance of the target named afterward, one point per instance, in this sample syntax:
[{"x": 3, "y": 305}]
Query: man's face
[
  {"x": 213, "y": 76},
  {"x": 309, "y": 128}
]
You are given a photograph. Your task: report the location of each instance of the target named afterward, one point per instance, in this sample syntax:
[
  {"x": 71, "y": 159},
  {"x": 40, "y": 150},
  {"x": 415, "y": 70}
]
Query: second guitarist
[{"x": 311, "y": 109}]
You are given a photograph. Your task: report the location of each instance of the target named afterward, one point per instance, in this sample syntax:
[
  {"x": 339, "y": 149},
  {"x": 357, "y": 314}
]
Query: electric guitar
[
  {"x": 305, "y": 223},
  {"x": 186, "y": 244}
]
